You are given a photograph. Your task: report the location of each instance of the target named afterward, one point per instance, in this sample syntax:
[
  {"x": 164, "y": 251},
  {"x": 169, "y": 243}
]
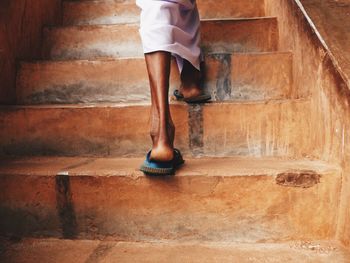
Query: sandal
[
  {"x": 150, "y": 167},
  {"x": 198, "y": 99}
]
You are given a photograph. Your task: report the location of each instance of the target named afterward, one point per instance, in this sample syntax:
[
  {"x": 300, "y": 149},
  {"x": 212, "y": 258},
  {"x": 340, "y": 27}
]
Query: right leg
[{"x": 162, "y": 127}]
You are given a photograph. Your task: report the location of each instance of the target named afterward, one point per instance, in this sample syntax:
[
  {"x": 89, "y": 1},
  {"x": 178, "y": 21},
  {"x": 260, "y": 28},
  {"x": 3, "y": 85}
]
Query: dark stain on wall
[{"x": 65, "y": 207}]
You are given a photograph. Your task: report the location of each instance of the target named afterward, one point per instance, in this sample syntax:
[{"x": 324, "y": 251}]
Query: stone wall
[
  {"x": 317, "y": 78},
  {"x": 21, "y": 23}
]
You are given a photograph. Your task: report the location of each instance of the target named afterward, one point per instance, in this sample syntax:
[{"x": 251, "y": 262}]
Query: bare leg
[
  {"x": 190, "y": 81},
  {"x": 162, "y": 127}
]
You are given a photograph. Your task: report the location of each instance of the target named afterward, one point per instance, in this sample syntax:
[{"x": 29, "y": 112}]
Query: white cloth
[{"x": 172, "y": 26}]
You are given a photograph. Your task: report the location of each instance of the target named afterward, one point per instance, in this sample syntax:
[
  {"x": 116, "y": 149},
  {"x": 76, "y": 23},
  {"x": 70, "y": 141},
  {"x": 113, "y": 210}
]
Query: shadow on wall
[{"x": 21, "y": 23}]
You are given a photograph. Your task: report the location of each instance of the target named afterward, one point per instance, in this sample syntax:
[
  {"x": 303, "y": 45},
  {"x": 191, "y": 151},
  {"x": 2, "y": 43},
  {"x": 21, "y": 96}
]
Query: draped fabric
[{"x": 172, "y": 26}]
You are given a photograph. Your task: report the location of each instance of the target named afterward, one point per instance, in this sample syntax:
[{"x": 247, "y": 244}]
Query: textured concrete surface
[
  {"x": 107, "y": 12},
  {"x": 274, "y": 128},
  {"x": 229, "y": 199},
  {"x": 51, "y": 251},
  {"x": 20, "y": 37},
  {"x": 314, "y": 128},
  {"x": 94, "y": 41},
  {"x": 317, "y": 73},
  {"x": 332, "y": 20},
  {"x": 237, "y": 77}
]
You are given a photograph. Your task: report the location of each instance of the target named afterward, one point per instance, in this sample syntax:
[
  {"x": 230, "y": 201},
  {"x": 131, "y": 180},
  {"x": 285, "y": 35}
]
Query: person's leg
[
  {"x": 190, "y": 81},
  {"x": 162, "y": 127}
]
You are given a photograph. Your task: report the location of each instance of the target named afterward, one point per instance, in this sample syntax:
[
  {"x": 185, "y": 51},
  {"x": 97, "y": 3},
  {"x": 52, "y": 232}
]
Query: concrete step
[
  {"x": 85, "y": 251},
  {"x": 265, "y": 128},
  {"x": 237, "y": 77},
  {"x": 211, "y": 199},
  {"x": 88, "y": 42},
  {"x": 114, "y": 12}
]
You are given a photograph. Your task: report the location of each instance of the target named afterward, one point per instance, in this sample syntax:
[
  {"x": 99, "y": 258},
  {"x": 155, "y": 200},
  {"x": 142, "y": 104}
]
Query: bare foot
[
  {"x": 163, "y": 143},
  {"x": 162, "y": 152},
  {"x": 190, "y": 81}
]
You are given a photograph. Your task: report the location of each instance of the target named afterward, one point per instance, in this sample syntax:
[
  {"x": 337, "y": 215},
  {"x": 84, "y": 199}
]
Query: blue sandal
[
  {"x": 198, "y": 99},
  {"x": 150, "y": 167}
]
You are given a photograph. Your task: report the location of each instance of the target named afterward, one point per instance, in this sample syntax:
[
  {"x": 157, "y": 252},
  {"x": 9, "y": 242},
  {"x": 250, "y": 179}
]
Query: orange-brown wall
[
  {"x": 21, "y": 23},
  {"x": 316, "y": 78}
]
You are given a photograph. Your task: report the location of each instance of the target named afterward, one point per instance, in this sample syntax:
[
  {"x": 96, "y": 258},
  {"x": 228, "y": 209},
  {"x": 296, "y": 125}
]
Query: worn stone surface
[
  {"x": 84, "y": 81},
  {"x": 107, "y": 12},
  {"x": 93, "y": 41},
  {"x": 242, "y": 77},
  {"x": 20, "y": 37},
  {"x": 261, "y": 129},
  {"x": 77, "y": 129},
  {"x": 28, "y": 204},
  {"x": 275, "y": 128},
  {"x": 332, "y": 20},
  {"x": 232, "y": 199},
  {"x": 52, "y": 250},
  {"x": 314, "y": 128},
  {"x": 99, "y": 12},
  {"x": 320, "y": 74}
]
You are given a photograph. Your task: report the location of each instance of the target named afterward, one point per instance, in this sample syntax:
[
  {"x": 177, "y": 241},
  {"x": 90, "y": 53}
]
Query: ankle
[{"x": 162, "y": 152}]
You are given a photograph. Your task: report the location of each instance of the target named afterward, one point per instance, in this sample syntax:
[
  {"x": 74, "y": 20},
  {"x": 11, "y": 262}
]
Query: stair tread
[
  {"x": 225, "y": 199},
  {"x": 97, "y": 12},
  {"x": 138, "y": 104},
  {"x": 228, "y": 77},
  {"x": 260, "y": 128},
  {"x": 222, "y": 167},
  {"x": 55, "y": 250},
  {"x": 123, "y": 40},
  {"x": 233, "y": 19},
  {"x": 112, "y": 59}
]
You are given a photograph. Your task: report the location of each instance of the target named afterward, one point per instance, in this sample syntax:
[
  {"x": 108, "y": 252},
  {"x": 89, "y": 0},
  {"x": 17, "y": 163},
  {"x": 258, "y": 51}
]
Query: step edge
[
  {"x": 115, "y": 59},
  {"x": 147, "y": 104},
  {"x": 241, "y": 19},
  {"x": 332, "y": 241},
  {"x": 71, "y": 169}
]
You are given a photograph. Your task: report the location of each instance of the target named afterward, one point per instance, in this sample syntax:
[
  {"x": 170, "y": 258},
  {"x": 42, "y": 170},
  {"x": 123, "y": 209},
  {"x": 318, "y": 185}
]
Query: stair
[
  {"x": 118, "y": 12},
  {"x": 57, "y": 251},
  {"x": 236, "y": 199},
  {"x": 250, "y": 191},
  {"x": 230, "y": 77},
  {"x": 122, "y": 40},
  {"x": 264, "y": 128}
]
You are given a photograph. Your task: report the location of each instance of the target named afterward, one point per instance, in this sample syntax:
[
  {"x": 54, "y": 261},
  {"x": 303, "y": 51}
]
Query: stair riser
[
  {"x": 274, "y": 129},
  {"x": 206, "y": 208},
  {"x": 228, "y": 78},
  {"x": 88, "y": 42},
  {"x": 81, "y": 251},
  {"x": 102, "y": 12}
]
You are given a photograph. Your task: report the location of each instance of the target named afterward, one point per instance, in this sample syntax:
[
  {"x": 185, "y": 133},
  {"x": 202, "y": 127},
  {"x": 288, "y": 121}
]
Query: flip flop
[
  {"x": 150, "y": 167},
  {"x": 197, "y": 99}
]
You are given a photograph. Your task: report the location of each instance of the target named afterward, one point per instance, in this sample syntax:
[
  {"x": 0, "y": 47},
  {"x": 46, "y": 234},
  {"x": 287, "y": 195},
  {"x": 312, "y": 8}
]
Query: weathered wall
[
  {"x": 308, "y": 59},
  {"x": 316, "y": 78},
  {"x": 338, "y": 94},
  {"x": 331, "y": 17},
  {"x": 21, "y": 23}
]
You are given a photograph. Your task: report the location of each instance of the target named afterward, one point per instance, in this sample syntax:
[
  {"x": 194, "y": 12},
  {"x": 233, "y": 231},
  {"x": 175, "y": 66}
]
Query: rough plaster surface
[
  {"x": 53, "y": 250},
  {"x": 228, "y": 77},
  {"x": 271, "y": 129},
  {"x": 21, "y": 23},
  {"x": 318, "y": 74},
  {"x": 230, "y": 199}
]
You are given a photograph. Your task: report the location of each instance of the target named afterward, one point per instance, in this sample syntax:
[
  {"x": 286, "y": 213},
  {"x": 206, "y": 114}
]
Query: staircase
[{"x": 71, "y": 189}]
